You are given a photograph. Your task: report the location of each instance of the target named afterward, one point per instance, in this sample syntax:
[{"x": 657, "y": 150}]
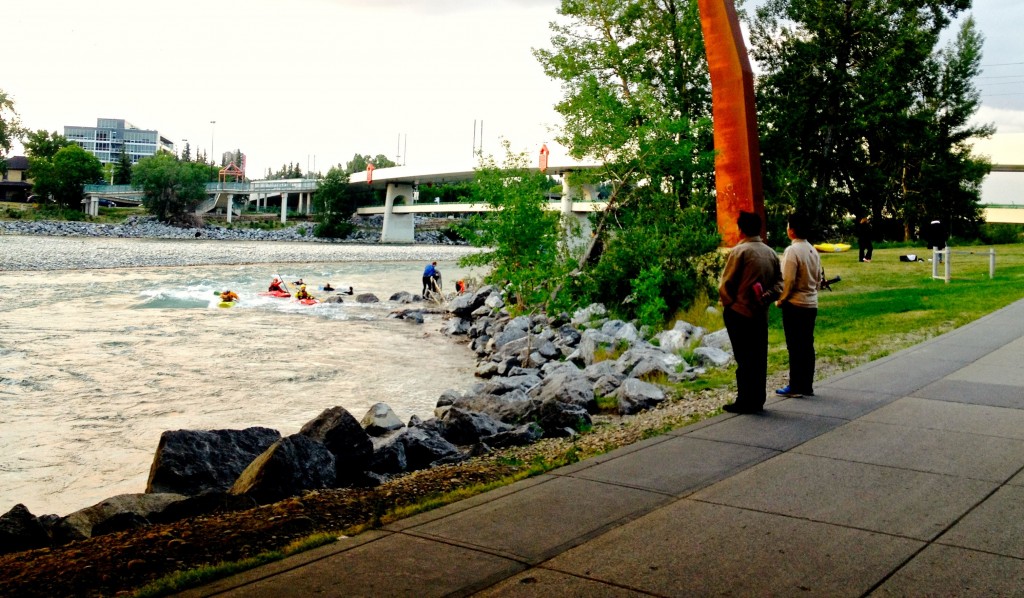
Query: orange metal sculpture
[{"x": 738, "y": 155}]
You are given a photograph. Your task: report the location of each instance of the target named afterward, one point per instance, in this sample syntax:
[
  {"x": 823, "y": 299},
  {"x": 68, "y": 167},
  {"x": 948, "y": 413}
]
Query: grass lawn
[{"x": 887, "y": 305}]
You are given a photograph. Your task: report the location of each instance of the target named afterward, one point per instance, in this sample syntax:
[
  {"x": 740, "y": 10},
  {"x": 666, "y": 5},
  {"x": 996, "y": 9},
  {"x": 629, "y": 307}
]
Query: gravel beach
[{"x": 45, "y": 252}]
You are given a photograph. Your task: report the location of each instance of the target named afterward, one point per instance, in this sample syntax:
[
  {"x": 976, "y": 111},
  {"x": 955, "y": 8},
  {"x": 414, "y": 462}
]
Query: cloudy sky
[{"x": 316, "y": 81}]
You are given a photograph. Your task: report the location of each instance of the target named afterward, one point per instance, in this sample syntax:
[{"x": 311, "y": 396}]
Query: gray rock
[
  {"x": 191, "y": 462},
  {"x": 447, "y": 397},
  {"x": 606, "y": 385},
  {"x": 512, "y": 407},
  {"x": 636, "y": 395},
  {"x": 426, "y": 448},
  {"x": 468, "y": 427},
  {"x": 380, "y": 420},
  {"x": 464, "y": 305},
  {"x": 506, "y": 336},
  {"x": 592, "y": 312},
  {"x": 388, "y": 455},
  {"x": 568, "y": 336},
  {"x": 289, "y": 467},
  {"x": 502, "y": 385},
  {"x": 494, "y": 301},
  {"x": 402, "y": 297},
  {"x": 413, "y": 315},
  {"x": 520, "y": 436},
  {"x": 128, "y": 511},
  {"x": 345, "y": 438},
  {"x": 456, "y": 327},
  {"x": 367, "y": 298},
  {"x": 718, "y": 339},
  {"x": 711, "y": 357},
  {"x": 569, "y": 387},
  {"x": 590, "y": 341},
  {"x": 334, "y": 299},
  {"x": 557, "y": 418},
  {"x": 21, "y": 530}
]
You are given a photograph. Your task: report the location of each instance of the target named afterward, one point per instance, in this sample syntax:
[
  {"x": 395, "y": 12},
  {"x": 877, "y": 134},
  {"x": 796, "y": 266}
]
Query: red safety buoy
[{"x": 544, "y": 151}]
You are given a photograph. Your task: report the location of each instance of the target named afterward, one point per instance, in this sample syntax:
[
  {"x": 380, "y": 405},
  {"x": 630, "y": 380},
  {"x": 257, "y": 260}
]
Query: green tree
[
  {"x": 637, "y": 98},
  {"x": 359, "y": 162},
  {"x": 64, "y": 176},
  {"x": 9, "y": 127},
  {"x": 524, "y": 240},
  {"x": 43, "y": 144},
  {"x": 333, "y": 206},
  {"x": 186, "y": 153},
  {"x": 123, "y": 169},
  {"x": 844, "y": 103},
  {"x": 171, "y": 189}
]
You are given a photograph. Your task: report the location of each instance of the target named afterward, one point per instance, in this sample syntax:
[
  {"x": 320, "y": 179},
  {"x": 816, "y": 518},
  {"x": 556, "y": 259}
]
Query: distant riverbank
[{"x": 55, "y": 251}]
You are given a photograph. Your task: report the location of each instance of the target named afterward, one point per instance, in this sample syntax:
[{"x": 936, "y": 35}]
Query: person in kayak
[
  {"x": 229, "y": 296},
  {"x": 303, "y": 293},
  {"x": 328, "y": 287},
  {"x": 275, "y": 285}
]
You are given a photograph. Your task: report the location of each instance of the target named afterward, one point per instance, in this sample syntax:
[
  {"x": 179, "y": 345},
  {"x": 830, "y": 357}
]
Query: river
[{"x": 96, "y": 363}]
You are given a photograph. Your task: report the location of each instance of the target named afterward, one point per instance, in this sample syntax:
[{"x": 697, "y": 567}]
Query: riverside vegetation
[{"x": 879, "y": 308}]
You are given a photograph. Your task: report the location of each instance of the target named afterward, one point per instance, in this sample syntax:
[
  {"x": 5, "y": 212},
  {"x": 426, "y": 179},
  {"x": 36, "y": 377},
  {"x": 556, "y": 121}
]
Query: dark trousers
[
  {"x": 749, "y": 338},
  {"x": 428, "y": 285},
  {"x": 798, "y": 324},
  {"x": 865, "y": 249}
]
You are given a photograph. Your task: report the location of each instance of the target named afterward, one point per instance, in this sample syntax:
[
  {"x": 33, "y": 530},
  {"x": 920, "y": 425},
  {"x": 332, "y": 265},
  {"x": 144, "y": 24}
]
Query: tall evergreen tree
[
  {"x": 123, "y": 169},
  {"x": 843, "y": 102}
]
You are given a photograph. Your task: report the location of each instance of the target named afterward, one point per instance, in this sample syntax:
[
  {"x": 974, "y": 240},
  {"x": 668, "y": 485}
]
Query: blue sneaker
[{"x": 786, "y": 391}]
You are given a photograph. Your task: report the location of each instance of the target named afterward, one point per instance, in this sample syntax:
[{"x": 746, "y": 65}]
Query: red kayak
[
  {"x": 307, "y": 301},
  {"x": 278, "y": 294}
]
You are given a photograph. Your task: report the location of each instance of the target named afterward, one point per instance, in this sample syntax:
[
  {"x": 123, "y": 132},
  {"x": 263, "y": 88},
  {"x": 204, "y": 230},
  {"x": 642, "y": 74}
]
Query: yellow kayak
[{"x": 832, "y": 247}]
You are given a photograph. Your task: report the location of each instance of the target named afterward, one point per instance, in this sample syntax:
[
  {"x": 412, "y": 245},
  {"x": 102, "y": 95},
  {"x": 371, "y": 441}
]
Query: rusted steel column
[{"x": 738, "y": 156}]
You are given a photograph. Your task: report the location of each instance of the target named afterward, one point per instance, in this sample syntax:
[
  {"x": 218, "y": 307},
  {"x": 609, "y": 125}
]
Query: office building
[{"x": 110, "y": 135}]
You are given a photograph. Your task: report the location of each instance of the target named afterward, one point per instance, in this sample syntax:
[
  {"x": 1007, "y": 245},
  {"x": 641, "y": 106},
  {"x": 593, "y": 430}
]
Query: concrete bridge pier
[
  {"x": 570, "y": 217},
  {"x": 284, "y": 207},
  {"x": 398, "y": 228}
]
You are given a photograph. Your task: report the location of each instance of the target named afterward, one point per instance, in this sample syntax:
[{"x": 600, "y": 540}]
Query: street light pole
[{"x": 213, "y": 124}]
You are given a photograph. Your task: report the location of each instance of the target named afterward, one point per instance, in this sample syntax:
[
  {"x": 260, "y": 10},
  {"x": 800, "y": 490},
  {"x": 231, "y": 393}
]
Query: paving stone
[
  {"x": 830, "y": 401},
  {"x": 994, "y": 526},
  {"x": 542, "y": 583},
  {"x": 959, "y": 417},
  {"x": 774, "y": 429},
  {"x": 974, "y": 393},
  {"x": 945, "y": 571}
]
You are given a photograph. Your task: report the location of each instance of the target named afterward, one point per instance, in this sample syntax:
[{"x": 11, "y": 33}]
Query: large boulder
[
  {"x": 512, "y": 407},
  {"x": 367, "y": 298},
  {"x": 380, "y": 420},
  {"x": 125, "y": 511},
  {"x": 21, "y": 530},
  {"x": 289, "y": 467},
  {"x": 425, "y": 447},
  {"x": 469, "y": 427},
  {"x": 569, "y": 386},
  {"x": 558, "y": 418},
  {"x": 457, "y": 327},
  {"x": 523, "y": 435},
  {"x": 711, "y": 357},
  {"x": 636, "y": 395},
  {"x": 388, "y": 455},
  {"x": 464, "y": 305},
  {"x": 402, "y": 297},
  {"x": 342, "y": 434},
  {"x": 192, "y": 462},
  {"x": 718, "y": 339},
  {"x": 590, "y": 341}
]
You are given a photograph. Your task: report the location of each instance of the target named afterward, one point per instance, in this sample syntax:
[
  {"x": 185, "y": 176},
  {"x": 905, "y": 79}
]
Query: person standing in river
[{"x": 428, "y": 279}]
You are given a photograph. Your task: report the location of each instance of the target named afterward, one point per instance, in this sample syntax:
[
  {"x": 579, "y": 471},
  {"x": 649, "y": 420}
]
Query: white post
[
  {"x": 947, "y": 252},
  {"x": 991, "y": 262},
  {"x": 935, "y": 263},
  {"x": 284, "y": 207},
  {"x": 229, "y": 202}
]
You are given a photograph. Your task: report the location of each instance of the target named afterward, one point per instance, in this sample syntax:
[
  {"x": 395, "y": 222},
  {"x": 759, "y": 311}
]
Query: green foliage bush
[{"x": 1001, "y": 234}]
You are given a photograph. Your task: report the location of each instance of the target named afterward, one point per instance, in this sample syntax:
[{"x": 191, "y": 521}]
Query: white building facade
[{"x": 111, "y": 135}]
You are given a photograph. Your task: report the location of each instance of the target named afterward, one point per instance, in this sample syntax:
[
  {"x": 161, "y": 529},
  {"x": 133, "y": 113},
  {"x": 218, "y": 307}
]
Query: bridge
[{"x": 400, "y": 206}]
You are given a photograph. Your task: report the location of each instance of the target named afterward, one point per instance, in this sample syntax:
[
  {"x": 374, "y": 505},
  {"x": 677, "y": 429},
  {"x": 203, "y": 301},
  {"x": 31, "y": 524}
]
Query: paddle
[{"x": 283, "y": 284}]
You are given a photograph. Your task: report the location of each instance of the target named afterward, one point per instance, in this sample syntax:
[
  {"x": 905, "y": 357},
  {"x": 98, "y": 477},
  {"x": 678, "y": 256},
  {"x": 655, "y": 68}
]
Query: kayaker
[
  {"x": 303, "y": 293},
  {"x": 229, "y": 296},
  {"x": 275, "y": 285},
  {"x": 328, "y": 287}
]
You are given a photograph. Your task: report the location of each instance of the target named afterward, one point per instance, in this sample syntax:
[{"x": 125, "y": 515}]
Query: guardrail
[{"x": 944, "y": 256}]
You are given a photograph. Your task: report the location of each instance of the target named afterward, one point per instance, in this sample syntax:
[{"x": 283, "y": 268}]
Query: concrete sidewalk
[{"x": 901, "y": 477}]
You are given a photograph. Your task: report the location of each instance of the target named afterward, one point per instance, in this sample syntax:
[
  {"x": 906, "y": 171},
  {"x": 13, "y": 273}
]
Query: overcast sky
[{"x": 316, "y": 81}]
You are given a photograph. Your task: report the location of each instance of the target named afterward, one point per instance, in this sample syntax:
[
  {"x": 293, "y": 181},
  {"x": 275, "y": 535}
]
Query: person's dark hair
[
  {"x": 749, "y": 223},
  {"x": 801, "y": 225}
]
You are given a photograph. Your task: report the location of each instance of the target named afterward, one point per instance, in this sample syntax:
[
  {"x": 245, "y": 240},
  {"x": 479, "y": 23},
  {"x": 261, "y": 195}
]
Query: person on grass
[
  {"x": 751, "y": 280},
  {"x": 801, "y": 276}
]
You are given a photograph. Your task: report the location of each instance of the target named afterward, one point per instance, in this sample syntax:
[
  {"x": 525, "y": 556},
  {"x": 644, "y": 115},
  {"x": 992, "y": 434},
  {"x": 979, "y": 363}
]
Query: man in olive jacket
[{"x": 751, "y": 281}]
